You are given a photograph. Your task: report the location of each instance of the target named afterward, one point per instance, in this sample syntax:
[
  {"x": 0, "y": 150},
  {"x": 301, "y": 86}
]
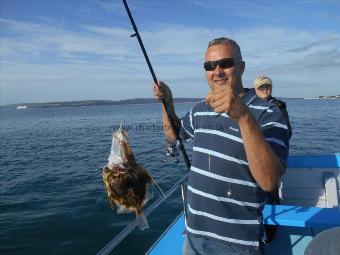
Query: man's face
[
  {"x": 222, "y": 77},
  {"x": 264, "y": 91}
]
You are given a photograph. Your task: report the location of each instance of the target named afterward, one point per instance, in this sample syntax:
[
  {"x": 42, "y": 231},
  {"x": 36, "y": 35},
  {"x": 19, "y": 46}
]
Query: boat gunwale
[{"x": 164, "y": 233}]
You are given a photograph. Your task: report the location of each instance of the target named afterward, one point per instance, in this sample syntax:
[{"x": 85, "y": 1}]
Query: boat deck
[
  {"x": 310, "y": 198},
  {"x": 288, "y": 241}
]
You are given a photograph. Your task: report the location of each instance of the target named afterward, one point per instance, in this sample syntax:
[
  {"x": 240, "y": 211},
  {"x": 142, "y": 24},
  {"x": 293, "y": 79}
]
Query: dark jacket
[{"x": 283, "y": 108}]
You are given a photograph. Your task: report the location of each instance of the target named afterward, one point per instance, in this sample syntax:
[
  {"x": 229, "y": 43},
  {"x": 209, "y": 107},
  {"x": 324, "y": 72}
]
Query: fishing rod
[{"x": 166, "y": 106}]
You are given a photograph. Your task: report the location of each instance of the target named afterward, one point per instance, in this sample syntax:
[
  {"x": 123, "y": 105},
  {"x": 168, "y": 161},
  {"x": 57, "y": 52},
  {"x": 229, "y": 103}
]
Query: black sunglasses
[
  {"x": 223, "y": 63},
  {"x": 264, "y": 86}
]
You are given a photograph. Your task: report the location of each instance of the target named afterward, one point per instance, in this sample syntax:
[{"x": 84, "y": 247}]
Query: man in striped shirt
[{"x": 239, "y": 153}]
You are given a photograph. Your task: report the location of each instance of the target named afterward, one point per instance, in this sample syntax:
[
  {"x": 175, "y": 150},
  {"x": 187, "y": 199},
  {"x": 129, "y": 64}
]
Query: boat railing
[{"x": 132, "y": 225}]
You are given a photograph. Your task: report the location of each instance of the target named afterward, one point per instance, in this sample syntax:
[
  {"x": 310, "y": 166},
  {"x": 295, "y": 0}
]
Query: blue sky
[{"x": 80, "y": 49}]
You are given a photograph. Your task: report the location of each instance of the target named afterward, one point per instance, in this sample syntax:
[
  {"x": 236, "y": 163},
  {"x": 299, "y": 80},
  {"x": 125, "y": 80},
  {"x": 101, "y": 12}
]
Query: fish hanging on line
[{"x": 126, "y": 181}]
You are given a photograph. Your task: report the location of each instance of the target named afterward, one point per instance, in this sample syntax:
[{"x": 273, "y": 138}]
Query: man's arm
[
  {"x": 265, "y": 166},
  {"x": 163, "y": 92}
]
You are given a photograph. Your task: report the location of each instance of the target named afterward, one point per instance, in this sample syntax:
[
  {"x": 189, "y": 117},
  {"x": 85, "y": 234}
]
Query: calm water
[{"x": 52, "y": 199}]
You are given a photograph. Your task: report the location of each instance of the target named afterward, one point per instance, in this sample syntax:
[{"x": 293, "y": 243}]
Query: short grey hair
[{"x": 228, "y": 41}]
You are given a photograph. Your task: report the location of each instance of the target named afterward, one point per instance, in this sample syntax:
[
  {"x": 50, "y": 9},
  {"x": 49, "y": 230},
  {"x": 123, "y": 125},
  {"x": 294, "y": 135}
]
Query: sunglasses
[
  {"x": 223, "y": 63},
  {"x": 264, "y": 87}
]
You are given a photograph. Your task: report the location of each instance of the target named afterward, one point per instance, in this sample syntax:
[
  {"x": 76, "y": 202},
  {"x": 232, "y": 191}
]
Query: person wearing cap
[
  {"x": 240, "y": 149},
  {"x": 263, "y": 87}
]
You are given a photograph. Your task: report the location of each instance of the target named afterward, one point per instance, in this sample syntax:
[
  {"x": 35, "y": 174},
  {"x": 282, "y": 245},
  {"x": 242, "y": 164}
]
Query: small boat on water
[
  {"x": 309, "y": 204},
  {"x": 21, "y": 107}
]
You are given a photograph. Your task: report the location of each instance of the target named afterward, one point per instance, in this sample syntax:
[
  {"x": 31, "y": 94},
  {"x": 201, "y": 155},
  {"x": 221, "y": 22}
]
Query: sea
[{"x": 52, "y": 198}]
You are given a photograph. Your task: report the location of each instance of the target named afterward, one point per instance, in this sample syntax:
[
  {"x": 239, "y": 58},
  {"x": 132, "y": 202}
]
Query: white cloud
[
  {"x": 112, "y": 7},
  {"x": 38, "y": 53}
]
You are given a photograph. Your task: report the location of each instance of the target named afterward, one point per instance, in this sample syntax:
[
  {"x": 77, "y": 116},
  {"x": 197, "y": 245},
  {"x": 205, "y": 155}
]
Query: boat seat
[{"x": 299, "y": 216}]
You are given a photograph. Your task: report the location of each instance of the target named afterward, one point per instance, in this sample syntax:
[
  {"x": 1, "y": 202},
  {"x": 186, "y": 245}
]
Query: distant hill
[{"x": 94, "y": 103}]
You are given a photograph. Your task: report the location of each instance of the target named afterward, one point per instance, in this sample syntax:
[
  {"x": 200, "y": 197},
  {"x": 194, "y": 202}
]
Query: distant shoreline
[
  {"x": 324, "y": 97},
  {"x": 121, "y": 102},
  {"x": 94, "y": 103}
]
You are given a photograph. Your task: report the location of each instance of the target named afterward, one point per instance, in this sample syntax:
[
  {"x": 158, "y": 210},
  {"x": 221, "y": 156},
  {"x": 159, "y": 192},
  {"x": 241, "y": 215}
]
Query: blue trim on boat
[
  {"x": 317, "y": 161},
  {"x": 298, "y": 216},
  {"x": 171, "y": 241}
]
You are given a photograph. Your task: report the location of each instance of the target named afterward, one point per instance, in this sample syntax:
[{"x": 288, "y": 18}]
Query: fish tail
[{"x": 142, "y": 221}]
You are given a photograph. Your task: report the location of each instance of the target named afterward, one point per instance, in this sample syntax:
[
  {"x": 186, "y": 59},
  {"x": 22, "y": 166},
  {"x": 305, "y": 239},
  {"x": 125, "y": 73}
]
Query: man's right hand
[{"x": 162, "y": 91}]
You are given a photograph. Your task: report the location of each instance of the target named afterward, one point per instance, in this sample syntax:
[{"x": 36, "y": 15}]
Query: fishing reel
[{"x": 171, "y": 152}]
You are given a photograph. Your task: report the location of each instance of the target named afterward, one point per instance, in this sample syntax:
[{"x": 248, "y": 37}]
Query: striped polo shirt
[{"x": 224, "y": 200}]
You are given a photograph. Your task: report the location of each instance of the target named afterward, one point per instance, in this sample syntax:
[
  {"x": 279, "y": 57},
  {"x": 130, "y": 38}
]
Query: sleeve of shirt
[
  {"x": 276, "y": 132},
  {"x": 186, "y": 131}
]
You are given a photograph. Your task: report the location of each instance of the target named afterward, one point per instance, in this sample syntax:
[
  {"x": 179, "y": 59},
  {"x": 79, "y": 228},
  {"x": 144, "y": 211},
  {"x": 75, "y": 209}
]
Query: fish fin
[
  {"x": 113, "y": 205},
  {"x": 142, "y": 221},
  {"x": 149, "y": 195},
  {"x": 121, "y": 210}
]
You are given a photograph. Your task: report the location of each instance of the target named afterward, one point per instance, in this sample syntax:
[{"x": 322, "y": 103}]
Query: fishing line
[
  {"x": 166, "y": 106},
  {"x": 152, "y": 150}
]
